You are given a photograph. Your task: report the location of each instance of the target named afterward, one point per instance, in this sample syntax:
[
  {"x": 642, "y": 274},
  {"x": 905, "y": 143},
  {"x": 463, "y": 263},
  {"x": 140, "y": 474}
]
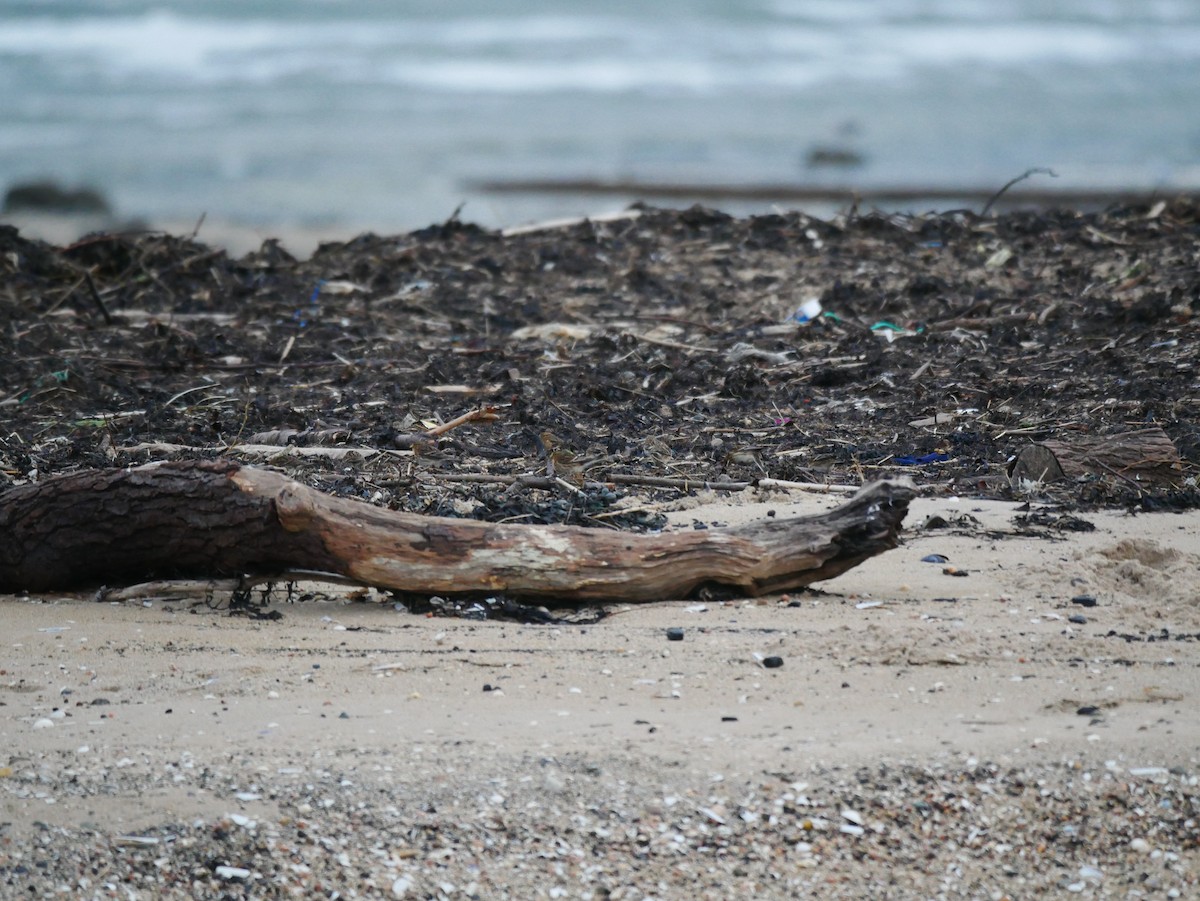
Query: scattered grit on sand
[{"x": 1026, "y": 730}]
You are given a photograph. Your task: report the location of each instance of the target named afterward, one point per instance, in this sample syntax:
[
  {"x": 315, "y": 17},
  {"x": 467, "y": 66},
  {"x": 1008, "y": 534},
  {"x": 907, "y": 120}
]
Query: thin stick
[
  {"x": 817, "y": 487},
  {"x": 479, "y": 414},
  {"x": 87, "y": 277},
  {"x": 682, "y": 484},
  {"x": 1024, "y": 175},
  {"x": 428, "y": 437},
  {"x": 673, "y": 345},
  {"x": 199, "y": 223},
  {"x": 532, "y": 481}
]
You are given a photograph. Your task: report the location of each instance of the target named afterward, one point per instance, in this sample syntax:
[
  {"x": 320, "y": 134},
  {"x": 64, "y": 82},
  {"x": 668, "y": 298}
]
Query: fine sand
[{"x": 927, "y": 735}]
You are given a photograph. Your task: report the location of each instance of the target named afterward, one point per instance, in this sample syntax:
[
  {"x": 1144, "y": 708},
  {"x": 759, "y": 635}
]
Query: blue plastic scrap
[
  {"x": 910, "y": 460},
  {"x": 300, "y": 316}
]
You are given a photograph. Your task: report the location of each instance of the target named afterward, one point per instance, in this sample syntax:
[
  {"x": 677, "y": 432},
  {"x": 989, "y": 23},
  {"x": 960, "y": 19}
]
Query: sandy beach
[
  {"x": 927, "y": 735},
  {"x": 1002, "y": 707}
]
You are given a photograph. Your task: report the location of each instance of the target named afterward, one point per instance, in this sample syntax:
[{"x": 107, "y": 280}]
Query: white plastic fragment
[
  {"x": 340, "y": 286},
  {"x": 232, "y": 874},
  {"x": 43, "y": 723},
  {"x": 807, "y": 311},
  {"x": 135, "y": 840},
  {"x": 999, "y": 258}
]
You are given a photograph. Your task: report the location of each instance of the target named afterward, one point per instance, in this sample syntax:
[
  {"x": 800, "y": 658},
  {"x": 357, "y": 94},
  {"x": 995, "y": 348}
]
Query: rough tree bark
[
  {"x": 1145, "y": 456},
  {"x": 219, "y": 519}
]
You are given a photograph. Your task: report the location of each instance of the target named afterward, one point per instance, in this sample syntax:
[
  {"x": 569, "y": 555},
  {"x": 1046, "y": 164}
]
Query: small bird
[{"x": 561, "y": 462}]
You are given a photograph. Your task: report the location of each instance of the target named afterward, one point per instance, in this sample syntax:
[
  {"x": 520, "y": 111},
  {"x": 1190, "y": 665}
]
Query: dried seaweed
[{"x": 658, "y": 349}]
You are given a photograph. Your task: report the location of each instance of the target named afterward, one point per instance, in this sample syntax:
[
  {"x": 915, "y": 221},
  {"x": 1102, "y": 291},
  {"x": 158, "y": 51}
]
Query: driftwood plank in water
[{"x": 218, "y": 518}]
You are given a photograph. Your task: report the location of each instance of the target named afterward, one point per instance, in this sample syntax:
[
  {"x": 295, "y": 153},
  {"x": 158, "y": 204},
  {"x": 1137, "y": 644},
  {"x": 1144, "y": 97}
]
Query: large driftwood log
[
  {"x": 219, "y": 519},
  {"x": 1145, "y": 457}
]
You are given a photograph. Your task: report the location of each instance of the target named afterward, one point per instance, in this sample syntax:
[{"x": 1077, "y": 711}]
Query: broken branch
[{"x": 217, "y": 518}]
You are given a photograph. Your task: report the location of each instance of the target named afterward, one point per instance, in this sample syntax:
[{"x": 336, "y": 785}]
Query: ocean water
[{"x": 387, "y": 115}]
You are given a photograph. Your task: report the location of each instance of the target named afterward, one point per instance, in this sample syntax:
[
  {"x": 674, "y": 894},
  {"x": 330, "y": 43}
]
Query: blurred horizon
[{"x": 320, "y": 115}]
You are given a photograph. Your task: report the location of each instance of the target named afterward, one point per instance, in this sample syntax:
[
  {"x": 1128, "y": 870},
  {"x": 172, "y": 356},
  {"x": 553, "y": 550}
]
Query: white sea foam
[
  {"x": 587, "y": 52},
  {"x": 382, "y": 112}
]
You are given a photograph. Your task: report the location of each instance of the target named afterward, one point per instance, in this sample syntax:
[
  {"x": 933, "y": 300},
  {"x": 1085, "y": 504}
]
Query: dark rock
[{"x": 51, "y": 197}]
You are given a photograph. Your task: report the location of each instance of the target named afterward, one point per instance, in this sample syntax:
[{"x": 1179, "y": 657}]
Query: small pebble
[
  {"x": 1088, "y": 710},
  {"x": 772, "y": 662},
  {"x": 675, "y": 634},
  {"x": 1084, "y": 600},
  {"x": 1078, "y": 618},
  {"x": 935, "y": 558},
  {"x": 232, "y": 874}
]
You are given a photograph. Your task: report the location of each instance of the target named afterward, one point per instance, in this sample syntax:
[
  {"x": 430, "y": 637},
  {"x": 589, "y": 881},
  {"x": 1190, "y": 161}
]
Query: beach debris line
[
  {"x": 799, "y": 192},
  {"x": 218, "y": 518}
]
